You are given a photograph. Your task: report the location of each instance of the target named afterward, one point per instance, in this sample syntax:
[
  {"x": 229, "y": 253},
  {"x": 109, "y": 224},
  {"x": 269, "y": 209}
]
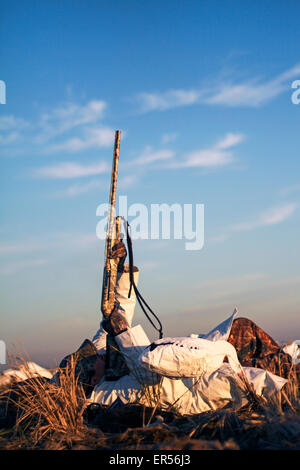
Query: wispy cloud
[
  {"x": 92, "y": 138},
  {"x": 217, "y": 155},
  {"x": 10, "y": 122},
  {"x": 167, "y": 138},
  {"x": 13, "y": 268},
  {"x": 127, "y": 182},
  {"x": 54, "y": 131},
  {"x": 78, "y": 189},
  {"x": 69, "y": 116},
  {"x": 151, "y": 156},
  {"x": 11, "y": 129},
  {"x": 68, "y": 170},
  {"x": 165, "y": 100},
  {"x": 251, "y": 93},
  {"x": 270, "y": 217},
  {"x": 67, "y": 241},
  {"x": 9, "y": 138}
]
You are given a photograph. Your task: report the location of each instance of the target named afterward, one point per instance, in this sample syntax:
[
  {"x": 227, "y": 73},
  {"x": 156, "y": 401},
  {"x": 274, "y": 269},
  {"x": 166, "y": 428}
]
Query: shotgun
[
  {"x": 112, "y": 237},
  {"x": 115, "y": 366}
]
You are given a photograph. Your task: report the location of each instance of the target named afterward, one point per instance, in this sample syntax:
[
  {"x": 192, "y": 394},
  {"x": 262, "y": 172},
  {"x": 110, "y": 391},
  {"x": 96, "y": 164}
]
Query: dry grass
[
  {"x": 44, "y": 408},
  {"x": 55, "y": 417}
]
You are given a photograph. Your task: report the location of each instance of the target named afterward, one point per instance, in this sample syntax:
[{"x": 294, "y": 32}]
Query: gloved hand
[
  {"x": 115, "y": 323},
  {"x": 118, "y": 250}
]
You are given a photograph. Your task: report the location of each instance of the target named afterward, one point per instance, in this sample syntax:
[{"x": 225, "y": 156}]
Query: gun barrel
[
  {"x": 114, "y": 173},
  {"x": 110, "y": 268}
]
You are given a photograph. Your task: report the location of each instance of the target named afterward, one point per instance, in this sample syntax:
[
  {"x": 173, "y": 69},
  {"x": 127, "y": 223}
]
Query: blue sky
[{"x": 202, "y": 93}]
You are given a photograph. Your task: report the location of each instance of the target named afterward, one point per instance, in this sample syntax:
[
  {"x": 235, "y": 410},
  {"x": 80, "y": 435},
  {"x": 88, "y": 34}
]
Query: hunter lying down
[{"x": 197, "y": 373}]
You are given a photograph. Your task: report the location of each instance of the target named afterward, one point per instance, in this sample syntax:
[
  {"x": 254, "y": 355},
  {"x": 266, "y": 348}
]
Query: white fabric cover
[
  {"x": 132, "y": 344},
  {"x": 192, "y": 395},
  {"x": 188, "y": 396},
  {"x": 211, "y": 384},
  {"x": 106, "y": 392},
  {"x": 99, "y": 340},
  {"x": 126, "y": 307},
  {"x": 293, "y": 350},
  {"x": 264, "y": 382},
  {"x": 24, "y": 372},
  {"x": 210, "y": 391},
  {"x": 221, "y": 331},
  {"x": 188, "y": 357}
]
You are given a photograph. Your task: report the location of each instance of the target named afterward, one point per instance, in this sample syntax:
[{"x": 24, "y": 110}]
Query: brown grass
[
  {"x": 45, "y": 408},
  {"x": 54, "y": 417}
]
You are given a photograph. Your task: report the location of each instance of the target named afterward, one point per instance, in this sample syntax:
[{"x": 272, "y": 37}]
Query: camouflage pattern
[
  {"x": 115, "y": 365},
  {"x": 114, "y": 257},
  {"x": 255, "y": 348},
  {"x": 86, "y": 356},
  {"x": 112, "y": 237},
  {"x": 115, "y": 323}
]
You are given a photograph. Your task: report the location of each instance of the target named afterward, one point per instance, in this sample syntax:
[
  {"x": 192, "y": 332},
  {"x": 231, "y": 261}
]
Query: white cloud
[
  {"x": 10, "y": 126},
  {"x": 8, "y": 123},
  {"x": 277, "y": 215},
  {"x": 251, "y": 93},
  {"x": 9, "y": 138},
  {"x": 151, "y": 156},
  {"x": 205, "y": 159},
  {"x": 217, "y": 155},
  {"x": 247, "y": 94},
  {"x": 127, "y": 181},
  {"x": 77, "y": 189},
  {"x": 82, "y": 188},
  {"x": 68, "y": 170},
  {"x": 68, "y": 116},
  {"x": 93, "y": 138},
  {"x": 270, "y": 217},
  {"x": 42, "y": 135},
  {"x": 166, "y": 100},
  {"x": 167, "y": 138},
  {"x": 230, "y": 140},
  {"x": 273, "y": 216}
]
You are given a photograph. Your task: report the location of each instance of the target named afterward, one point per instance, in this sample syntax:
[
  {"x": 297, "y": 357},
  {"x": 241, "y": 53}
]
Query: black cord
[{"x": 140, "y": 299}]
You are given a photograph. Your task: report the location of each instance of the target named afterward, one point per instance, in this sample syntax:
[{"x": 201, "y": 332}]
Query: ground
[{"x": 258, "y": 425}]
